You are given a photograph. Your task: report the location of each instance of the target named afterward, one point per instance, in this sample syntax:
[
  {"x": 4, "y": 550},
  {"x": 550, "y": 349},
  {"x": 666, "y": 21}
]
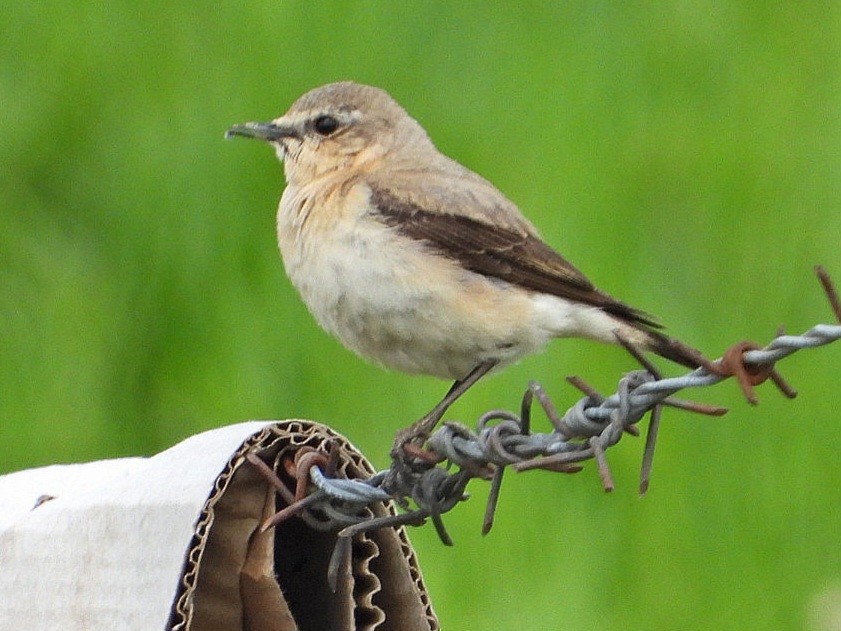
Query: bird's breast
[
  {"x": 360, "y": 283},
  {"x": 388, "y": 297}
]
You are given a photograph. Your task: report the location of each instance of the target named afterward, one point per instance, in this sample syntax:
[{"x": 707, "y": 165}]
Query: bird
[{"x": 417, "y": 263}]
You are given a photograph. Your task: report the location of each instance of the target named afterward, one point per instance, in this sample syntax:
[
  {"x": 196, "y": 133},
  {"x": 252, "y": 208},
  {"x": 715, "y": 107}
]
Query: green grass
[{"x": 686, "y": 155}]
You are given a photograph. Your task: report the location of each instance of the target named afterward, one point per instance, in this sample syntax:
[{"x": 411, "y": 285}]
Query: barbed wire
[{"x": 503, "y": 439}]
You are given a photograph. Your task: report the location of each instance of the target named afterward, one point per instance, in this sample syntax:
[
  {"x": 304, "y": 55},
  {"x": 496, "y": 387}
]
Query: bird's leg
[{"x": 419, "y": 430}]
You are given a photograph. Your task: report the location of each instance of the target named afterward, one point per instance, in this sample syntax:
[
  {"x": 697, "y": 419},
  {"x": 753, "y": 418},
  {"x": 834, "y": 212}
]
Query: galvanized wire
[
  {"x": 424, "y": 484},
  {"x": 504, "y": 439}
]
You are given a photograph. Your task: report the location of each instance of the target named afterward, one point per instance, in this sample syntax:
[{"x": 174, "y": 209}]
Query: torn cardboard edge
[{"x": 173, "y": 542}]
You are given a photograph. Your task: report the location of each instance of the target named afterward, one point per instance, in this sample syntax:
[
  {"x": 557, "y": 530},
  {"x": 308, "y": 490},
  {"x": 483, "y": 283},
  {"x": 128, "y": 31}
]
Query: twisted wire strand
[{"x": 503, "y": 439}]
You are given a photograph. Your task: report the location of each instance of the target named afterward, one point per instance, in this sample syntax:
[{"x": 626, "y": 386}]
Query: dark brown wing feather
[{"x": 515, "y": 256}]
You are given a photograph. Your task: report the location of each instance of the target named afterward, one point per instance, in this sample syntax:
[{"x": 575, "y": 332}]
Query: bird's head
[{"x": 338, "y": 128}]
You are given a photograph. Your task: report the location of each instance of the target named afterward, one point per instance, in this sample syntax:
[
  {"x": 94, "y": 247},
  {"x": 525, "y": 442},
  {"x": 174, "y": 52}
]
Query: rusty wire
[{"x": 434, "y": 479}]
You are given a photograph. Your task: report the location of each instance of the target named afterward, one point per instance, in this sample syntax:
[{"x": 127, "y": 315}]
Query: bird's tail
[
  {"x": 673, "y": 350},
  {"x": 635, "y": 322}
]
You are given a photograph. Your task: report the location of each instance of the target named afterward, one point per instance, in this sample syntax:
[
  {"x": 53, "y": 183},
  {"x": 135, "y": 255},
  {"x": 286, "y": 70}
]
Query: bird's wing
[{"x": 512, "y": 252}]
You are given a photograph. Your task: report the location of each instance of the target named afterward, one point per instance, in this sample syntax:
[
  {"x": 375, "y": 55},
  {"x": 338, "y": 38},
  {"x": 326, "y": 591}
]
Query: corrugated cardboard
[{"x": 173, "y": 542}]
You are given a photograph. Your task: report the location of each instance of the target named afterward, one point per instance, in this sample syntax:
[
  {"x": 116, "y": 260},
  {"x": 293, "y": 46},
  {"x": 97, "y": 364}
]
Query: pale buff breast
[{"x": 391, "y": 300}]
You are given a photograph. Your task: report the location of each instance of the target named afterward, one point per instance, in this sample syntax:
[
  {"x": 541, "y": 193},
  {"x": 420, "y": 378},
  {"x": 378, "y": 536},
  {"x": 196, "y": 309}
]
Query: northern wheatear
[{"x": 414, "y": 261}]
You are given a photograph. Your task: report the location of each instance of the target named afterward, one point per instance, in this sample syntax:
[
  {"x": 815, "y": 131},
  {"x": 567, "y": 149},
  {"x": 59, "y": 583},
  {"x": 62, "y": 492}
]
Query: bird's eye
[{"x": 325, "y": 125}]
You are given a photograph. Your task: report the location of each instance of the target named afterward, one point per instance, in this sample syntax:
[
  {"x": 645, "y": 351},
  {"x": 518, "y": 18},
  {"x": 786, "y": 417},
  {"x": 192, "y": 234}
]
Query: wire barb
[{"x": 502, "y": 439}]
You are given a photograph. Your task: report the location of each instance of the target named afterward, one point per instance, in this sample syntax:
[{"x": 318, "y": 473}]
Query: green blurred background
[{"x": 686, "y": 155}]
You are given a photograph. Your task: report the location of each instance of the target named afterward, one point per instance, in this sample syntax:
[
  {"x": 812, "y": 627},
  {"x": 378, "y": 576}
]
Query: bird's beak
[{"x": 270, "y": 132}]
